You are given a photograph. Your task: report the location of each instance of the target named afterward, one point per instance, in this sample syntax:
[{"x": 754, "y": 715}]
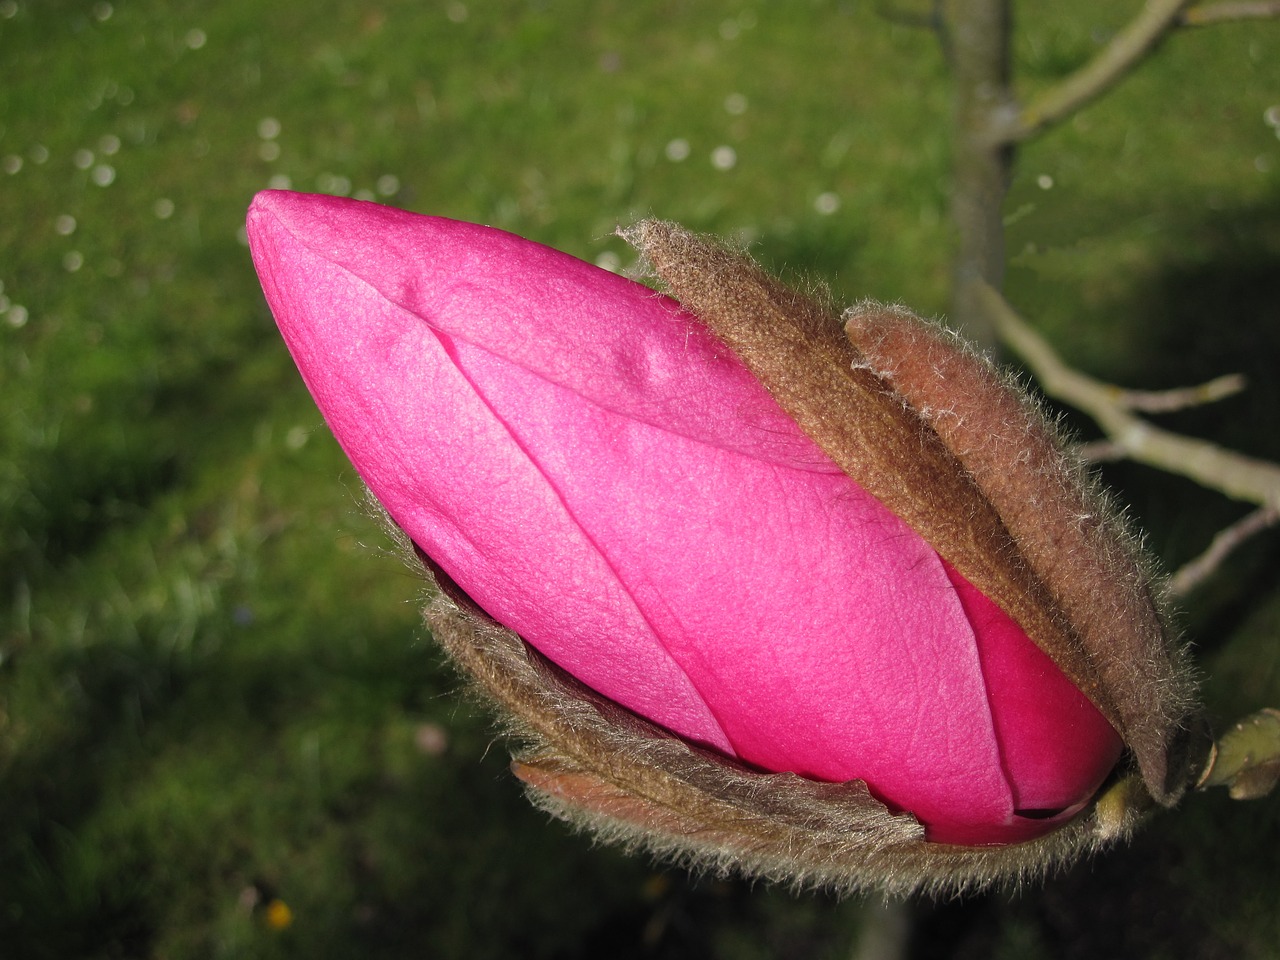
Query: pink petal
[
  {"x": 1056, "y": 747},
  {"x": 606, "y": 479}
]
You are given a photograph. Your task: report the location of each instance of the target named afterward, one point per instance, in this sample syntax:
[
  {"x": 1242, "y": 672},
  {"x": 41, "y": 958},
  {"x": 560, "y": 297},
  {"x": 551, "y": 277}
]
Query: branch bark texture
[
  {"x": 1234, "y": 474},
  {"x": 978, "y": 34},
  {"x": 1205, "y": 14},
  {"x": 1126, "y": 49}
]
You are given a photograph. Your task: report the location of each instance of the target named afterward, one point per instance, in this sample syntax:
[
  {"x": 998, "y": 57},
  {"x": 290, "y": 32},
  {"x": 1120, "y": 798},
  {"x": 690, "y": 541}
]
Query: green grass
[{"x": 212, "y": 683}]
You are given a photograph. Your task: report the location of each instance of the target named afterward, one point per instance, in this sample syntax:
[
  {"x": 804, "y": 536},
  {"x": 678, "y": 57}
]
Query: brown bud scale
[{"x": 599, "y": 767}]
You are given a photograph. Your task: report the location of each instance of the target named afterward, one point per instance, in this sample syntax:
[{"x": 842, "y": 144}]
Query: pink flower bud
[{"x": 610, "y": 481}]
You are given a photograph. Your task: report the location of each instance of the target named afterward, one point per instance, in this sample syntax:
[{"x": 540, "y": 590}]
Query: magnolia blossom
[{"x": 603, "y": 476}]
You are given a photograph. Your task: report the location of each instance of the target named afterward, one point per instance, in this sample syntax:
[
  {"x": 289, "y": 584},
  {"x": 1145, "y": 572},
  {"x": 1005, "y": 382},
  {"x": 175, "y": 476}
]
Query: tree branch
[
  {"x": 1197, "y": 571},
  {"x": 1203, "y": 15},
  {"x": 1234, "y": 474},
  {"x": 1167, "y": 401},
  {"x": 977, "y": 34},
  {"x": 1100, "y": 451},
  {"x": 1126, "y": 49}
]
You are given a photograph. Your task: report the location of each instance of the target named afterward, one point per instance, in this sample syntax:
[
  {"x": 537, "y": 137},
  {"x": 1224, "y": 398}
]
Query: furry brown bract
[
  {"x": 1065, "y": 527},
  {"x": 934, "y": 432},
  {"x": 602, "y": 769}
]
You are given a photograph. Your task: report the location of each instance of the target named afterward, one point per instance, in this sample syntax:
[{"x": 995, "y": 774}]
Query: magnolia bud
[{"x": 833, "y": 609}]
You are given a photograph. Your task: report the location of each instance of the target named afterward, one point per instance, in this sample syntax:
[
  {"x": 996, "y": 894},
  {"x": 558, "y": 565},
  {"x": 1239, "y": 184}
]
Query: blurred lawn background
[{"x": 213, "y": 689}]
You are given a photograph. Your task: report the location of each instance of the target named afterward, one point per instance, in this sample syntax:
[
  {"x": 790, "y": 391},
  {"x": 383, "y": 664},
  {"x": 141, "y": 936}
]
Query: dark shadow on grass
[
  {"x": 440, "y": 856},
  {"x": 56, "y": 904},
  {"x": 1214, "y": 308},
  {"x": 139, "y": 437}
]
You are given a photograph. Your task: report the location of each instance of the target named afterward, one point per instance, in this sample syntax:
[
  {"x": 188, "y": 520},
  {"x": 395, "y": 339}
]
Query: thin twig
[
  {"x": 1225, "y": 12},
  {"x": 981, "y": 159},
  {"x": 1100, "y": 451},
  {"x": 1234, "y": 474},
  {"x": 1126, "y": 49},
  {"x": 1197, "y": 571},
  {"x": 1167, "y": 401}
]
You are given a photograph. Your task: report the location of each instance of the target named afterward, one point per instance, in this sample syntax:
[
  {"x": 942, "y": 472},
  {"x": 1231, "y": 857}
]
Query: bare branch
[
  {"x": 1100, "y": 451},
  {"x": 1167, "y": 401},
  {"x": 978, "y": 46},
  {"x": 1126, "y": 49},
  {"x": 1203, "y": 15},
  {"x": 1234, "y": 474},
  {"x": 1197, "y": 571}
]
